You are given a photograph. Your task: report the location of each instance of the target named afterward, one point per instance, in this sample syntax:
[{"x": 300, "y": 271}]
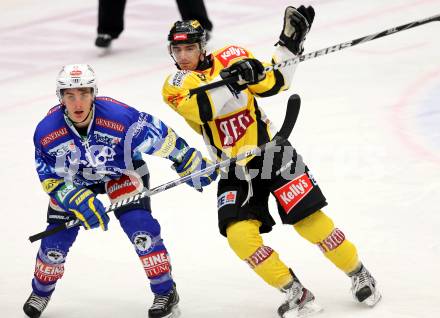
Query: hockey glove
[
  {"x": 192, "y": 161},
  {"x": 297, "y": 23},
  {"x": 248, "y": 71},
  {"x": 83, "y": 203}
]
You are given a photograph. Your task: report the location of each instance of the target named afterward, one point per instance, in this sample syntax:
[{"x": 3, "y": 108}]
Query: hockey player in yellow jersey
[{"x": 230, "y": 121}]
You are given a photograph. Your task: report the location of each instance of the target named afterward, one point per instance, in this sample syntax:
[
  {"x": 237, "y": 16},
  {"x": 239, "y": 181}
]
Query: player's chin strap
[
  {"x": 328, "y": 50},
  {"x": 293, "y": 106}
]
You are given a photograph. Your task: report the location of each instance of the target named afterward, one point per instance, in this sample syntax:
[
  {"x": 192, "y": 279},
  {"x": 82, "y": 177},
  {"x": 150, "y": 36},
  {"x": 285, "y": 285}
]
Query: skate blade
[
  {"x": 307, "y": 310},
  {"x": 175, "y": 312},
  {"x": 373, "y": 299},
  {"x": 104, "y": 51}
]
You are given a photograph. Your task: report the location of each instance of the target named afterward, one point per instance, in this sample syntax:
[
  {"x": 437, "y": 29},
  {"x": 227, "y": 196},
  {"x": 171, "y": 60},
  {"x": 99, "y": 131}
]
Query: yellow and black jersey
[{"x": 230, "y": 124}]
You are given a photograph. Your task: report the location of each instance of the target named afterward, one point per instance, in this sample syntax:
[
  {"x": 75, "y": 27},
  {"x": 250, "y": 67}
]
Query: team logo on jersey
[
  {"x": 233, "y": 128},
  {"x": 226, "y": 198},
  {"x": 54, "y": 135},
  {"x": 293, "y": 192},
  {"x": 110, "y": 124},
  {"x": 143, "y": 242},
  {"x": 230, "y": 53}
]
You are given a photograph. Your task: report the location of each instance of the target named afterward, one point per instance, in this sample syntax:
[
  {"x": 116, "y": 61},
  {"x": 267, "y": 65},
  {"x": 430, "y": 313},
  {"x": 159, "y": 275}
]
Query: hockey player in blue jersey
[{"x": 90, "y": 145}]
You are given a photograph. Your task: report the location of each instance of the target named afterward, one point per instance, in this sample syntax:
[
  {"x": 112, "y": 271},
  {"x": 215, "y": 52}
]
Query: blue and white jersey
[{"x": 116, "y": 136}]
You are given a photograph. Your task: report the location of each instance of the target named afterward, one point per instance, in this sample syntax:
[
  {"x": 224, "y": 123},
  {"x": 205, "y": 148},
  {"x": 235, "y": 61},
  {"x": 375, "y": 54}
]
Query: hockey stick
[
  {"x": 330, "y": 49},
  {"x": 293, "y": 106}
]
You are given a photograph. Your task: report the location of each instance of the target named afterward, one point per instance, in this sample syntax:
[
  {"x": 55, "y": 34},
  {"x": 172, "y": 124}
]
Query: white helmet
[{"x": 76, "y": 76}]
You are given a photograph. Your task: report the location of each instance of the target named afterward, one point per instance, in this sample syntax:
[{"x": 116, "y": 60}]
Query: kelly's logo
[
  {"x": 230, "y": 53},
  {"x": 293, "y": 192}
]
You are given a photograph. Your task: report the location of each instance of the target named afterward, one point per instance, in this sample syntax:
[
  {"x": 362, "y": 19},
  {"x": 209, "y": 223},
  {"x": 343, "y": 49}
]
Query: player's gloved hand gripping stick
[{"x": 293, "y": 106}]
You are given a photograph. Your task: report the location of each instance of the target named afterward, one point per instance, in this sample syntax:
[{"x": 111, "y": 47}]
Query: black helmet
[{"x": 187, "y": 32}]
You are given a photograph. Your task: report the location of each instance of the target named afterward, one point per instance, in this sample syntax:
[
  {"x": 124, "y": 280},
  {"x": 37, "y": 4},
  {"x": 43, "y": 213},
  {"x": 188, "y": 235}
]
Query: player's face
[
  {"x": 78, "y": 102},
  {"x": 187, "y": 56}
]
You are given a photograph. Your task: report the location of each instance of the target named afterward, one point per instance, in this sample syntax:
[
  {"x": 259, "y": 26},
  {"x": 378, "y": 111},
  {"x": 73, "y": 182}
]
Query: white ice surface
[{"x": 369, "y": 129}]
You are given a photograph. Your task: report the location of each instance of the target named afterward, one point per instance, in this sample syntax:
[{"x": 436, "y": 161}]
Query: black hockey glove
[
  {"x": 297, "y": 23},
  {"x": 249, "y": 71}
]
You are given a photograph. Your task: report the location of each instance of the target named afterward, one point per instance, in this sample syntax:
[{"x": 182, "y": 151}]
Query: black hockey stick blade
[{"x": 292, "y": 112}]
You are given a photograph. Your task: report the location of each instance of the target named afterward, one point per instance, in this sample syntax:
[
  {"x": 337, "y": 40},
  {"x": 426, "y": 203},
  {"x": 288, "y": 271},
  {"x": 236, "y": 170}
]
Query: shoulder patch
[
  {"x": 229, "y": 53},
  {"x": 178, "y": 78}
]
